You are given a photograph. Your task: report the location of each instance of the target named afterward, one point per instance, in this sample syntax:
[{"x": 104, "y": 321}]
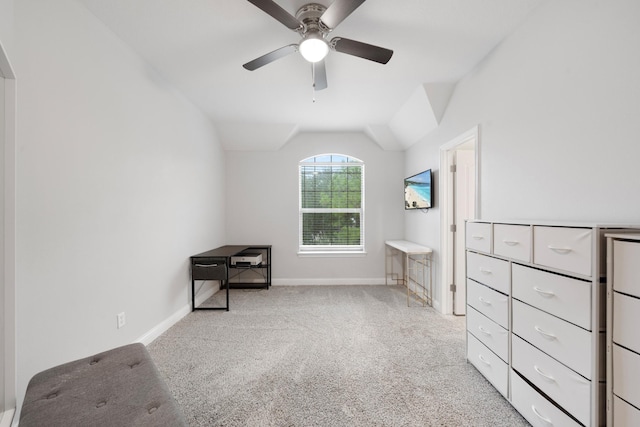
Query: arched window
[{"x": 331, "y": 204}]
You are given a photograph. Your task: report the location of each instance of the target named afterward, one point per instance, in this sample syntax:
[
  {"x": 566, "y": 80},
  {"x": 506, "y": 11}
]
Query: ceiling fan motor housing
[{"x": 309, "y": 15}]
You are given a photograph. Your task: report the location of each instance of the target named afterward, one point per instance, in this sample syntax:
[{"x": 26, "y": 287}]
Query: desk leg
[
  {"x": 193, "y": 295},
  {"x": 405, "y": 275}
]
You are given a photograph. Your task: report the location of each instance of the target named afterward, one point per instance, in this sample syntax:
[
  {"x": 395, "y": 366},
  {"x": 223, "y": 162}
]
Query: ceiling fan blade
[
  {"x": 319, "y": 75},
  {"x": 362, "y": 50},
  {"x": 338, "y": 11},
  {"x": 270, "y": 57},
  {"x": 271, "y": 8}
]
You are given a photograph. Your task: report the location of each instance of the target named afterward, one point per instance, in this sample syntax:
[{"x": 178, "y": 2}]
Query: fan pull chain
[{"x": 313, "y": 82}]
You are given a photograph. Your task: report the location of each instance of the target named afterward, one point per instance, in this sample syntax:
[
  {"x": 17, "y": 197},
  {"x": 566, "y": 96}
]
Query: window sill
[{"x": 331, "y": 254}]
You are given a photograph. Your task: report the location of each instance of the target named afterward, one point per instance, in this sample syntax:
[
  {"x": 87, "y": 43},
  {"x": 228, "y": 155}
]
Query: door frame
[
  {"x": 447, "y": 209},
  {"x": 7, "y": 281}
]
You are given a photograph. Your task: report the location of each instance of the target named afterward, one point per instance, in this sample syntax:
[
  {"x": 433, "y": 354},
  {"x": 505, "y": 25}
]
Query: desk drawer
[
  {"x": 565, "y": 248},
  {"x": 208, "y": 269}
]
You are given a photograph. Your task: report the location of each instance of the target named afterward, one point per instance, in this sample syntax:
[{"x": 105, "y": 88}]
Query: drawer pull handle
[
  {"x": 478, "y": 237},
  {"x": 546, "y": 420},
  {"x": 510, "y": 242},
  {"x": 559, "y": 250},
  {"x": 543, "y": 292},
  {"x": 483, "y": 360},
  {"x": 484, "y": 301},
  {"x": 484, "y": 331},
  {"x": 485, "y": 270},
  {"x": 206, "y": 265},
  {"x": 545, "y": 333},
  {"x": 542, "y": 374}
]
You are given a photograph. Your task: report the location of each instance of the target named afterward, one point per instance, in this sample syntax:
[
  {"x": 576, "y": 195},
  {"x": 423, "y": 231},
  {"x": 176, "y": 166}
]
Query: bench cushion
[{"x": 119, "y": 387}]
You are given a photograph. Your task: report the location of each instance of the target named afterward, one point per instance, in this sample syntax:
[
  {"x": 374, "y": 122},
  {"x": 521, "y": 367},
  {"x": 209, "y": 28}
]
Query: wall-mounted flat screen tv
[{"x": 418, "y": 191}]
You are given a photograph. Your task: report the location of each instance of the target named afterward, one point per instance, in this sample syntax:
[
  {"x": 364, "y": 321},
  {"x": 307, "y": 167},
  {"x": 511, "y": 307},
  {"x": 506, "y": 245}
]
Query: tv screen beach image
[{"x": 417, "y": 191}]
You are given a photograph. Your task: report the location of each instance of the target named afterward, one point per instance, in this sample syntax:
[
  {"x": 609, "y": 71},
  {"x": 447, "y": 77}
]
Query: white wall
[
  {"x": 558, "y": 105},
  {"x": 6, "y": 26},
  {"x": 117, "y": 185},
  {"x": 262, "y": 206}
]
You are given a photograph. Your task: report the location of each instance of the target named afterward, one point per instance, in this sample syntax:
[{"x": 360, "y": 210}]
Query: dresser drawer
[
  {"x": 624, "y": 415},
  {"x": 564, "y": 248},
  {"x": 626, "y": 375},
  {"x": 565, "y": 297},
  {"x": 512, "y": 241},
  {"x": 208, "y": 269},
  {"x": 489, "y": 271},
  {"x": 489, "y": 365},
  {"x": 626, "y": 267},
  {"x": 478, "y": 236},
  {"x": 536, "y": 408},
  {"x": 488, "y": 332},
  {"x": 561, "y": 340},
  {"x": 491, "y": 303},
  {"x": 626, "y": 319},
  {"x": 568, "y": 389}
]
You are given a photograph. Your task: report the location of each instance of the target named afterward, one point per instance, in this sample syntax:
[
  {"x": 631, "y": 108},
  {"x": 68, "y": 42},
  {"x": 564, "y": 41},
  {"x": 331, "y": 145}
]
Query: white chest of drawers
[
  {"x": 536, "y": 329},
  {"x": 623, "y": 337}
]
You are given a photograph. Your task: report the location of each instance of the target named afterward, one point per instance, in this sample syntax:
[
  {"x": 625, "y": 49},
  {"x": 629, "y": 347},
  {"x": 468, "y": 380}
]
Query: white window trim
[{"x": 329, "y": 250}]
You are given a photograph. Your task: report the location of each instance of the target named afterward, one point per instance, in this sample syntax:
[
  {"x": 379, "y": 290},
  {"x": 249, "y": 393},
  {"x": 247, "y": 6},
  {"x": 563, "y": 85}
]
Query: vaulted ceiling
[{"x": 199, "y": 46}]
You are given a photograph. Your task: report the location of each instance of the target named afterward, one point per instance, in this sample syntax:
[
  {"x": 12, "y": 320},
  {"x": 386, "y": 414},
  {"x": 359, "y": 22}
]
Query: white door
[{"x": 464, "y": 208}]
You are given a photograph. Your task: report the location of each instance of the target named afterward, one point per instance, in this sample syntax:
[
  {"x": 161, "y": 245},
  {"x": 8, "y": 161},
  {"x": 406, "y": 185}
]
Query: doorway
[
  {"x": 459, "y": 189},
  {"x": 7, "y": 233}
]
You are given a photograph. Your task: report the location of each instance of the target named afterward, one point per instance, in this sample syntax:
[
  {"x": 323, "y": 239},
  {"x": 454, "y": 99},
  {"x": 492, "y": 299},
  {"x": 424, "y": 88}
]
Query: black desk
[{"x": 216, "y": 265}]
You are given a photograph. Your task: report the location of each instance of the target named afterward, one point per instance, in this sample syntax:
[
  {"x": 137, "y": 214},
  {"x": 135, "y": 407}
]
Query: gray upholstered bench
[{"x": 119, "y": 387}]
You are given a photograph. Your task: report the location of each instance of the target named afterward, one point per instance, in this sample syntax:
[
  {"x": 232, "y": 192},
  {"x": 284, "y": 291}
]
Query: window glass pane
[
  {"x": 331, "y": 189},
  {"x": 331, "y": 229},
  {"x": 322, "y": 159}
]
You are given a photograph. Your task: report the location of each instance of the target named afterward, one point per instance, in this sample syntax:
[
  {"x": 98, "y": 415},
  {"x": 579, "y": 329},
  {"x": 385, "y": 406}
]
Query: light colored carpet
[{"x": 326, "y": 356}]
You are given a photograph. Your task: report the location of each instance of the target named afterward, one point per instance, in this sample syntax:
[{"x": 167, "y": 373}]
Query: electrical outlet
[{"x": 121, "y": 320}]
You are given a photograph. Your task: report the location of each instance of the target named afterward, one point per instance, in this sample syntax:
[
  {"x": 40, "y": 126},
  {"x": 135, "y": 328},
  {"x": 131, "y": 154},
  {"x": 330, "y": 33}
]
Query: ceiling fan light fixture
[{"x": 313, "y": 47}]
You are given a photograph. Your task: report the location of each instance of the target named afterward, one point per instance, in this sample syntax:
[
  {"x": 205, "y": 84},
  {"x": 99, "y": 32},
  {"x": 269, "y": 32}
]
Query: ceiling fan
[{"x": 314, "y": 22}]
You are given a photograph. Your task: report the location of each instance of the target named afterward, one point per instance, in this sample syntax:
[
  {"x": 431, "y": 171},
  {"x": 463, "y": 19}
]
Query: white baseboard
[
  {"x": 326, "y": 282},
  {"x": 163, "y": 326}
]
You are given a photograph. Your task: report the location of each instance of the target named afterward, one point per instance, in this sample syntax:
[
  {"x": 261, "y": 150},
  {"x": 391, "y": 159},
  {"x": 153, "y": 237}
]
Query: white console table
[{"x": 415, "y": 263}]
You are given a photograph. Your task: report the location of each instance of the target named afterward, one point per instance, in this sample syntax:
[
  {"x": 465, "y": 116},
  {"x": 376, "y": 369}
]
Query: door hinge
[
  {"x": 453, "y": 228},
  {"x": 452, "y": 288},
  {"x": 452, "y": 168}
]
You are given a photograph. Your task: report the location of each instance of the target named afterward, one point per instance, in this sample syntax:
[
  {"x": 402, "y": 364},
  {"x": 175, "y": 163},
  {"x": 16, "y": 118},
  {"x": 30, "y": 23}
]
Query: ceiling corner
[
  {"x": 384, "y": 137},
  {"x": 421, "y": 113},
  {"x": 235, "y": 136}
]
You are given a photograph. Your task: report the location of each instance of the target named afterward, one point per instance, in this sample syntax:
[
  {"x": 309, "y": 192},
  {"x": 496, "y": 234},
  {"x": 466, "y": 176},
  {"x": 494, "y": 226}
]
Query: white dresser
[
  {"x": 623, "y": 334},
  {"x": 536, "y": 316}
]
